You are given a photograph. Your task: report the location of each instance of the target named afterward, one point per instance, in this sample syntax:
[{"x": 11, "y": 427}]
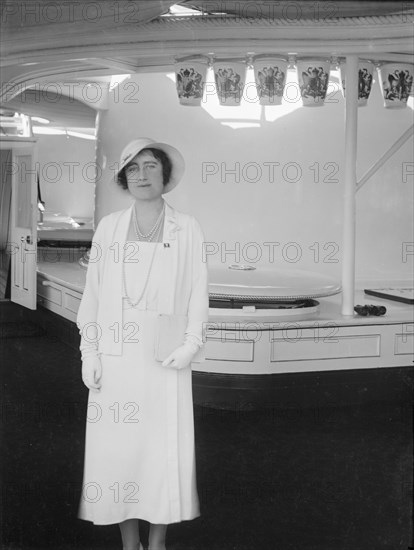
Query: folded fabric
[{"x": 88, "y": 348}]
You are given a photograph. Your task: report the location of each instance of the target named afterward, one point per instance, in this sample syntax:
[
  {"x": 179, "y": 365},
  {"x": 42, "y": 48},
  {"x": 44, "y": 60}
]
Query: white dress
[{"x": 139, "y": 450}]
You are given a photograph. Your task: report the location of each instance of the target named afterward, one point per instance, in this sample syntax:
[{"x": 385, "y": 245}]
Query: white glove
[
  {"x": 92, "y": 372},
  {"x": 181, "y": 357}
]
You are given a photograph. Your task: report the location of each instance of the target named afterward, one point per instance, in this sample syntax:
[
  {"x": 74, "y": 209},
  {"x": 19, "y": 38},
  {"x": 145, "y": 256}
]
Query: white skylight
[{"x": 177, "y": 10}]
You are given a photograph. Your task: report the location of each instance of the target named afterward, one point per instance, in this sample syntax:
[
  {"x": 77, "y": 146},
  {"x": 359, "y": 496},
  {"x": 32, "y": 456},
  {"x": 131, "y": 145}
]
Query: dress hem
[{"x": 139, "y": 518}]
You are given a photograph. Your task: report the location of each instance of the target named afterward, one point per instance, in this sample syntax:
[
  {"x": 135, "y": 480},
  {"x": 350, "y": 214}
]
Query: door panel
[{"x": 23, "y": 229}]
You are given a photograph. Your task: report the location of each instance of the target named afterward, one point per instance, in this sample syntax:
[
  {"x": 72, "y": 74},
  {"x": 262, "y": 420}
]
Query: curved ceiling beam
[
  {"x": 51, "y": 79},
  {"x": 59, "y": 109},
  {"x": 132, "y": 52}
]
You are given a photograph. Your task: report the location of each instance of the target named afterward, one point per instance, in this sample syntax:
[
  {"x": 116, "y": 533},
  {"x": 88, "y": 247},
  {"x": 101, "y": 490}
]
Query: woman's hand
[
  {"x": 181, "y": 357},
  {"x": 92, "y": 372}
]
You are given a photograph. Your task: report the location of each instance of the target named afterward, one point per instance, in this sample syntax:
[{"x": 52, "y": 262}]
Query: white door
[{"x": 23, "y": 224}]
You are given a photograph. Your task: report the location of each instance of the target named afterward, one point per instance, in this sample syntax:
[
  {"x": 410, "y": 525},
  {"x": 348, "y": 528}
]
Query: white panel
[
  {"x": 72, "y": 302},
  {"x": 404, "y": 344},
  {"x": 218, "y": 350},
  {"x": 340, "y": 347},
  {"x": 51, "y": 293}
]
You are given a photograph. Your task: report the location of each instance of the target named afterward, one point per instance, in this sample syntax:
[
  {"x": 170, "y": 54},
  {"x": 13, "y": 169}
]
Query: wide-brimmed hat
[{"x": 176, "y": 158}]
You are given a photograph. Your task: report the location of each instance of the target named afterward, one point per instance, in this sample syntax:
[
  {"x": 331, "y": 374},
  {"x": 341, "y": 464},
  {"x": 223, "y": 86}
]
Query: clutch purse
[{"x": 169, "y": 334}]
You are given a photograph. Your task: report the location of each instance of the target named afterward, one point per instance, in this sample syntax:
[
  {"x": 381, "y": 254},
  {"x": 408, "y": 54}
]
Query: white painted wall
[
  {"x": 67, "y": 173},
  {"x": 303, "y": 216}
]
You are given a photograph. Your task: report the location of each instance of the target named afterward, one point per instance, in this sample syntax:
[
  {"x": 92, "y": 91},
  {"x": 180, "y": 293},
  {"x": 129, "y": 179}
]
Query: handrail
[{"x": 388, "y": 154}]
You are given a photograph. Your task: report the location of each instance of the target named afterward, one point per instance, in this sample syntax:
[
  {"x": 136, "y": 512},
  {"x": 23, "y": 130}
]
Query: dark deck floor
[{"x": 298, "y": 479}]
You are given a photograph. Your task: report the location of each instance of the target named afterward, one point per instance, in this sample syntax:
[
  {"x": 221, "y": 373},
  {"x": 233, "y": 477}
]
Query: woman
[{"x": 146, "y": 277}]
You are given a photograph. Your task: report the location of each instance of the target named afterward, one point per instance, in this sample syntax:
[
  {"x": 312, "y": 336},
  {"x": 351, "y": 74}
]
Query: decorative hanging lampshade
[
  {"x": 190, "y": 77},
  {"x": 230, "y": 76},
  {"x": 396, "y": 83},
  {"x": 365, "y": 71},
  {"x": 313, "y": 77},
  {"x": 270, "y": 76}
]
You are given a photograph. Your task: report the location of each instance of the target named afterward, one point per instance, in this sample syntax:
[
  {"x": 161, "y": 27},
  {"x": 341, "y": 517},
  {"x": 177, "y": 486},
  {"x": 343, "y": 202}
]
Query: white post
[{"x": 348, "y": 240}]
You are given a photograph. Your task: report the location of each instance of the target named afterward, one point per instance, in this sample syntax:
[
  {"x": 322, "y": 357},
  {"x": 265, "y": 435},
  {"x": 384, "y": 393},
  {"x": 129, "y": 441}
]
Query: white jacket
[{"x": 184, "y": 288}]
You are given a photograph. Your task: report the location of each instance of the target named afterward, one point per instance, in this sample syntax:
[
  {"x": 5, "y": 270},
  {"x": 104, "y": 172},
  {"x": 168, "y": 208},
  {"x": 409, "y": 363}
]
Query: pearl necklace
[
  {"x": 149, "y": 236},
  {"x": 128, "y": 299}
]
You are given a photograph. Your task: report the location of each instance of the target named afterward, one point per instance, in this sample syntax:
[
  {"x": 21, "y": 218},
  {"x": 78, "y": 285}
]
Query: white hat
[{"x": 176, "y": 158}]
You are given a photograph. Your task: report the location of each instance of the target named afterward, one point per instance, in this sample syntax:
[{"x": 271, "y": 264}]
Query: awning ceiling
[{"x": 52, "y": 41}]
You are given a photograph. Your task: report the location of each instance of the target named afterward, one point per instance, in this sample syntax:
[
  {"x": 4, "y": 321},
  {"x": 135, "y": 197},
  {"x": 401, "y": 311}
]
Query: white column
[{"x": 348, "y": 240}]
